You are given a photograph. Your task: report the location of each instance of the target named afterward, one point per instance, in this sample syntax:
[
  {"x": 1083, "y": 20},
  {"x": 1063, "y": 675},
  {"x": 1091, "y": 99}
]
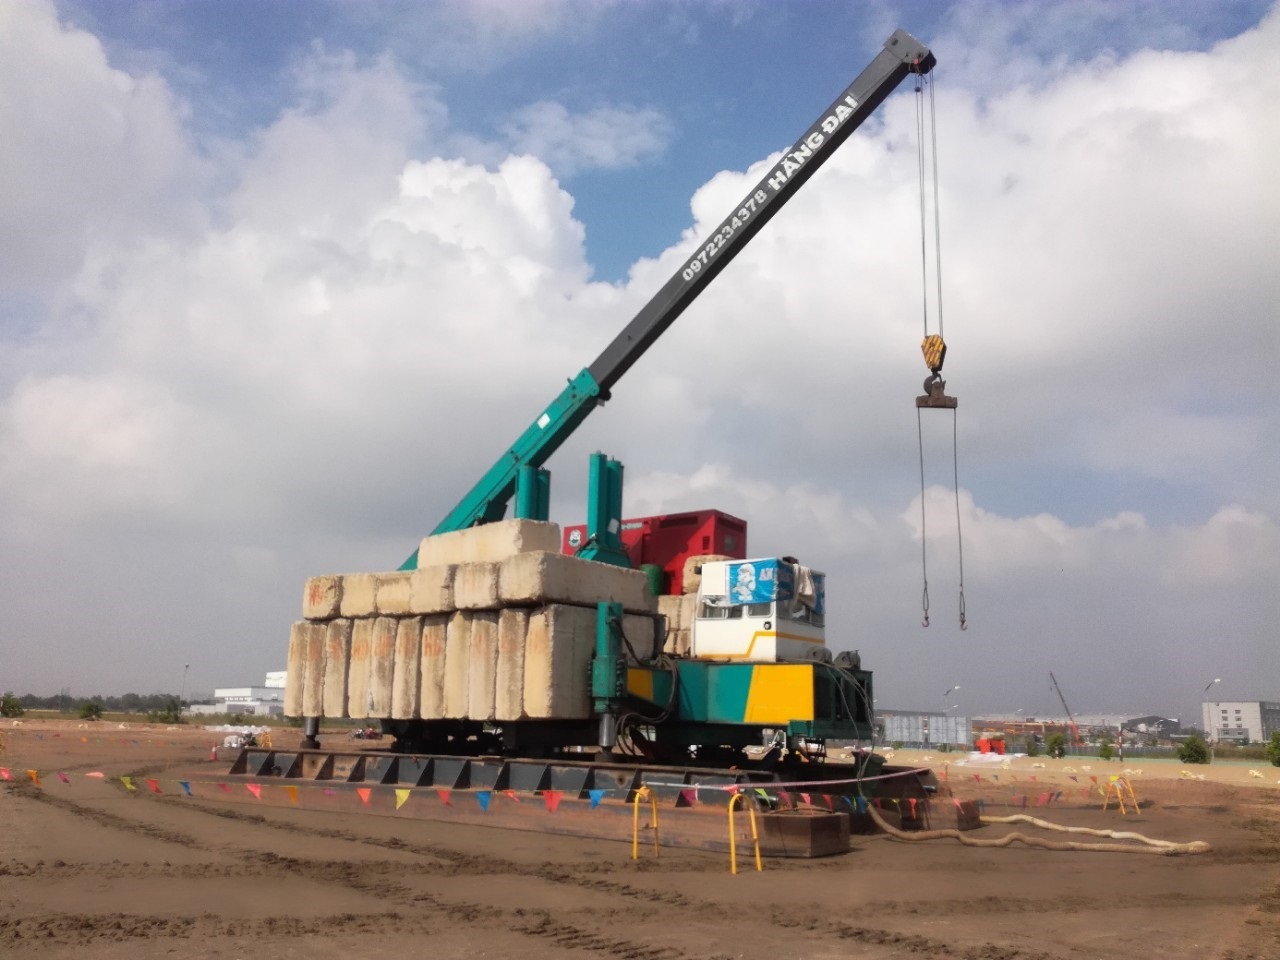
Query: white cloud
[
  {"x": 606, "y": 138},
  {"x": 295, "y": 355},
  {"x": 89, "y": 155}
]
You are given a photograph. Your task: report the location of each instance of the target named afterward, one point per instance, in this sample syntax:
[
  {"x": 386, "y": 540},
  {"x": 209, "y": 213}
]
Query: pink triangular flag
[
  {"x": 552, "y": 799},
  {"x": 255, "y": 789},
  {"x": 364, "y": 794},
  {"x": 63, "y": 777}
]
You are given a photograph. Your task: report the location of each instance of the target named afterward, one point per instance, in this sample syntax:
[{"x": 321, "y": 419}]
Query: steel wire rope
[
  {"x": 924, "y": 304},
  {"x": 930, "y": 81}
]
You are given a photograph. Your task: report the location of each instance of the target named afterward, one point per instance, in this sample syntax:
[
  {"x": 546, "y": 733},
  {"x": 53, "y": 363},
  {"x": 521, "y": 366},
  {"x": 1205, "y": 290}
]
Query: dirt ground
[{"x": 90, "y": 869}]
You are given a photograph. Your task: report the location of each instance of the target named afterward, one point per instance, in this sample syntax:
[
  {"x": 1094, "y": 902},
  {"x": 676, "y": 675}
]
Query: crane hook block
[
  {"x": 934, "y": 349},
  {"x": 935, "y": 394}
]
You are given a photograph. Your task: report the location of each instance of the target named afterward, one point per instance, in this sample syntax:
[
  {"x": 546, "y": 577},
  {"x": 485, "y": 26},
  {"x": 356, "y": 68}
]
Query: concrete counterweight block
[
  {"x": 295, "y": 669},
  {"x": 313, "y": 683},
  {"x": 358, "y": 674},
  {"x": 488, "y": 542},
  {"x": 482, "y": 666},
  {"x": 457, "y": 679},
  {"x": 475, "y": 586},
  {"x": 382, "y": 661},
  {"x": 391, "y": 593},
  {"x": 513, "y": 627},
  {"x": 358, "y": 595},
  {"x": 680, "y": 612},
  {"x": 692, "y": 573},
  {"x": 434, "y": 635},
  {"x": 557, "y": 657},
  {"x": 537, "y": 579},
  {"x": 431, "y": 589},
  {"x": 337, "y": 665},
  {"x": 322, "y": 598},
  {"x": 406, "y": 682}
]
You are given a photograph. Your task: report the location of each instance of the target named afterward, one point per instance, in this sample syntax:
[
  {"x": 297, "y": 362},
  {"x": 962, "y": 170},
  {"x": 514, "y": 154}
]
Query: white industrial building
[
  {"x": 264, "y": 701},
  {"x": 1240, "y": 721}
]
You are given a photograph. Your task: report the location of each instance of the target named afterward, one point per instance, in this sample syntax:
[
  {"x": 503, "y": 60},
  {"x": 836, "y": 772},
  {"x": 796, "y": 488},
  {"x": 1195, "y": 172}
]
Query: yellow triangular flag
[
  {"x": 128, "y": 784},
  {"x": 401, "y": 796}
]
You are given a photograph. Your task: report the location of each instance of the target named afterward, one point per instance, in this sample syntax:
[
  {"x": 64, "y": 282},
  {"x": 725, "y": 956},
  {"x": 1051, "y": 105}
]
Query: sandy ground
[{"x": 88, "y": 869}]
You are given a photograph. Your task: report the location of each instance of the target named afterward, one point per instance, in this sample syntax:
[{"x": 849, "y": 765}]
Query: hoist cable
[
  {"x": 955, "y": 468},
  {"x": 924, "y": 231},
  {"x": 924, "y": 552},
  {"x": 937, "y": 203}
]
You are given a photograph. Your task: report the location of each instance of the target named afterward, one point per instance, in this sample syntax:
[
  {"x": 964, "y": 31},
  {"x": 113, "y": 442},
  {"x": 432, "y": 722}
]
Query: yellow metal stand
[
  {"x": 644, "y": 793},
  {"x": 1121, "y": 786},
  {"x": 733, "y": 840}
]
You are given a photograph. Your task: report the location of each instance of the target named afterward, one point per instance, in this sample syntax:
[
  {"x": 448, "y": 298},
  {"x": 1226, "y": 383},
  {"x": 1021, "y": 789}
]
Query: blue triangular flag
[
  {"x": 482, "y": 798},
  {"x": 596, "y": 796},
  {"x": 186, "y": 787}
]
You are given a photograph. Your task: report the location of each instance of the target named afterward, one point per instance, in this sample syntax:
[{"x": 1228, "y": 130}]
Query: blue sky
[
  {"x": 279, "y": 280},
  {"x": 732, "y": 81}
]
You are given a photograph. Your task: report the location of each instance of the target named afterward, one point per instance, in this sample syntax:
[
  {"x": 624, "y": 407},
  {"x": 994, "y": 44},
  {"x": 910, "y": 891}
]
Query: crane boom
[
  {"x": 487, "y": 500},
  {"x": 1075, "y": 730}
]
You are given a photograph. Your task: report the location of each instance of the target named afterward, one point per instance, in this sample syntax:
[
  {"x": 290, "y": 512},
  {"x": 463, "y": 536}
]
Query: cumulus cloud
[
  {"x": 606, "y": 138},
  {"x": 293, "y": 353},
  {"x": 90, "y": 154}
]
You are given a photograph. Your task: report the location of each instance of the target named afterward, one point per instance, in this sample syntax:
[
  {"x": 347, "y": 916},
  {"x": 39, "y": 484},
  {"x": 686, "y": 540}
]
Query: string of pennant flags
[{"x": 786, "y": 798}]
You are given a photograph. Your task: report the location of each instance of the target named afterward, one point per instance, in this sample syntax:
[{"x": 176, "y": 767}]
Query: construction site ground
[{"x": 91, "y": 869}]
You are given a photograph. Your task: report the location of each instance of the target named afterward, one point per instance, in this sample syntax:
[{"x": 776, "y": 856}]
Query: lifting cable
[{"x": 933, "y": 345}]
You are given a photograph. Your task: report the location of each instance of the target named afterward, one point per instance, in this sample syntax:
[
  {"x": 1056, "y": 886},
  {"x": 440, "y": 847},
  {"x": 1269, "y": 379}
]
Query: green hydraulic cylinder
[
  {"x": 533, "y": 493},
  {"x": 608, "y": 672},
  {"x": 604, "y": 513}
]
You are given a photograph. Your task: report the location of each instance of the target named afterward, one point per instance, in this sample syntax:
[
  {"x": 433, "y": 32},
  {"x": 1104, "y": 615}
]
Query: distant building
[
  {"x": 264, "y": 701},
  {"x": 1240, "y": 721},
  {"x": 1153, "y": 726}
]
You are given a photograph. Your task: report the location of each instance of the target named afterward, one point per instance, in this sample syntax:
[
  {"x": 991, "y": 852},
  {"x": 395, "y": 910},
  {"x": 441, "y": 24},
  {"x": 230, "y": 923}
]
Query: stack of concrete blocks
[
  {"x": 681, "y": 610},
  {"x": 494, "y": 624}
]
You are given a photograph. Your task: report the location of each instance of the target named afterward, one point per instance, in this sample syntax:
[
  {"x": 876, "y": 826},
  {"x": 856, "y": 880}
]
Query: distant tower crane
[{"x": 1075, "y": 730}]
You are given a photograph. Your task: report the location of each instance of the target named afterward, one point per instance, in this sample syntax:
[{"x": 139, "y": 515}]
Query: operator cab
[{"x": 767, "y": 610}]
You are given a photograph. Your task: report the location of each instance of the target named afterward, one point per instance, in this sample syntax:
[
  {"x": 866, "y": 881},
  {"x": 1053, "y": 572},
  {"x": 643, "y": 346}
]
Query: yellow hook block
[{"x": 934, "y": 349}]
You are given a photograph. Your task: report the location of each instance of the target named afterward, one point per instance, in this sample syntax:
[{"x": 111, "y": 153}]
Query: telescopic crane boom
[{"x": 487, "y": 501}]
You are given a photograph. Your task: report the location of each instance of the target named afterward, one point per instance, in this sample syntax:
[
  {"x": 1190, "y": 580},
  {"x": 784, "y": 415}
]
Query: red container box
[{"x": 672, "y": 538}]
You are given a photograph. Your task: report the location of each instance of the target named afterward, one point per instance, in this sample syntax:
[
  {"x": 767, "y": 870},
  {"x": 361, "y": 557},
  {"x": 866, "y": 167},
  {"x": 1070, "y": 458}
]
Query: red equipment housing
[{"x": 670, "y": 539}]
